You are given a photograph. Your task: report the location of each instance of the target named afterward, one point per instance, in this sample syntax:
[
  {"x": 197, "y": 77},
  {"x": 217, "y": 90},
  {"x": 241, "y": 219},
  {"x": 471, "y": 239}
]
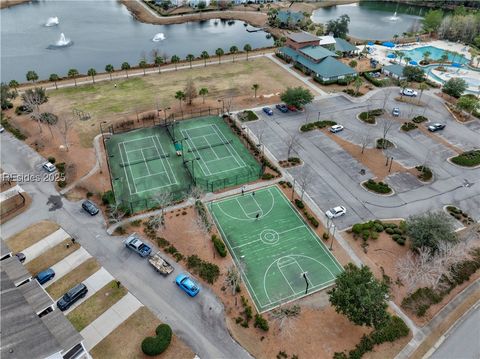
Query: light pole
[
  {"x": 318, "y": 118},
  {"x": 304, "y": 274},
  {"x": 333, "y": 236},
  {"x": 193, "y": 168},
  {"x": 173, "y": 129},
  {"x": 223, "y": 104},
  {"x": 165, "y": 114}
]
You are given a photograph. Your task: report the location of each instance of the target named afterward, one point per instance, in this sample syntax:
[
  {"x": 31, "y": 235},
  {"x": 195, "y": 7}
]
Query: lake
[
  {"x": 371, "y": 20},
  {"x": 103, "y": 32}
]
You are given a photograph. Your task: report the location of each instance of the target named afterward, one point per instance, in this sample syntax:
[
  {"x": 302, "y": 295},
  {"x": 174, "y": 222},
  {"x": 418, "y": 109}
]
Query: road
[
  {"x": 199, "y": 322},
  {"x": 463, "y": 342}
]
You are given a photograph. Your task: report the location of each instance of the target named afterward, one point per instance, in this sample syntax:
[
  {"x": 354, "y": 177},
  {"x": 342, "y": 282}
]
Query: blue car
[
  {"x": 45, "y": 276},
  {"x": 187, "y": 284},
  {"x": 268, "y": 111}
]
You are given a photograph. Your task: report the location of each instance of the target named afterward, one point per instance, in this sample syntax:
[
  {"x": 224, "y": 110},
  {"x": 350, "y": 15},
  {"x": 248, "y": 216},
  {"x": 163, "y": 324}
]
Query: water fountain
[
  {"x": 62, "y": 42},
  {"x": 394, "y": 17},
  {"x": 159, "y": 37},
  {"x": 52, "y": 21}
]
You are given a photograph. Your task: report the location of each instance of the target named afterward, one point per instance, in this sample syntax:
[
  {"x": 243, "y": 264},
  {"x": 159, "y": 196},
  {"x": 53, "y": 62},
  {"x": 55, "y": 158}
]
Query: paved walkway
[
  {"x": 45, "y": 244},
  {"x": 94, "y": 283},
  {"x": 13, "y": 191},
  {"x": 68, "y": 264},
  {"x": 110, "y": 320}
]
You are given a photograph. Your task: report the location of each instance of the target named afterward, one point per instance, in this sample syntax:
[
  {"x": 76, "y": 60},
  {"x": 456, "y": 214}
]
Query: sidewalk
[
  {"x": 68, "y": 264},
  {"x": 45, "y": 244},
  {"x": 110, "y": 320}
]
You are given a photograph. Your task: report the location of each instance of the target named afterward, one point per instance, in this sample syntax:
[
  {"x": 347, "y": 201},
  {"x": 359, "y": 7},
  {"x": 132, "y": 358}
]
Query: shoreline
[{"x": 4, "y": 4}]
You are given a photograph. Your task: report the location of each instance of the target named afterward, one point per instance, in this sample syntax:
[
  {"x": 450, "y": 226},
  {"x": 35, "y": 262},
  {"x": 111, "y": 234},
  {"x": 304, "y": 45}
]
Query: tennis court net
[
  {"x": 197, "y": 148},
  {"x": 146, "y": 159}
]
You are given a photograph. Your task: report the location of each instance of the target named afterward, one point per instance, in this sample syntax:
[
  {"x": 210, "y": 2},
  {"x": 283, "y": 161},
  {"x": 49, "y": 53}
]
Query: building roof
[
  {"x": 15, "y": 270},
  {"x": 4, "y": 250},
  {"x": 302, "y": 37},
  {"x": 290, "y": 16},
  {"x": 36, "y": 296},
  {"x": 395, "y": 69},
  {"x": 327, "y": 40},
  {"x": 317, "y": 52},
  {"x": 62, "y": 330},
  {"x": 343, "y": 45}
]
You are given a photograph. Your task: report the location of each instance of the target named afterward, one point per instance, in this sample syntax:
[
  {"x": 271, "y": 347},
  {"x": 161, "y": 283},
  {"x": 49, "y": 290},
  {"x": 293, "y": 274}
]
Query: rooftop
[
  {"x": 15, "y": 270},
  {"x": 302, "y": 37},
  {"x": 343, "y": 45},
  {"x": 36, "y": 296},
  {"x": 317, "y": 52},
  {"x": 4, "y": 250},
  {"x": 327, "y": 40},
  {"x": 395, "y": 69}
]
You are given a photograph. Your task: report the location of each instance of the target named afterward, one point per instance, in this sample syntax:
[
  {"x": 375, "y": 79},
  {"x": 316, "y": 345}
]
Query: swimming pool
[
  {"x": 466, "y": 74},
  {"x": 435, "y": 54}
]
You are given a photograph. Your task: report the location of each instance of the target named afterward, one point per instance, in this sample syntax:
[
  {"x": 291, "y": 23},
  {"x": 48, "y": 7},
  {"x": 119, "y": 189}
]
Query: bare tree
[
  {"x": 162, "y": 199},
  {"x": 190, "y": 91},
  {"x": 233, "y": 278},
  {"x": 64, "y": 125},
  {"x": 305, "y": 179},
  {"x": 196, "y": 192},
  {"x": 386, "y": 125},
  {"x": 32, "y": 100},
  {"x": 365, "y": 141},
  {"x": 115, "y": 213},
  {"x": 292, "y": 143},
  {"x": 285, "y": 316}
]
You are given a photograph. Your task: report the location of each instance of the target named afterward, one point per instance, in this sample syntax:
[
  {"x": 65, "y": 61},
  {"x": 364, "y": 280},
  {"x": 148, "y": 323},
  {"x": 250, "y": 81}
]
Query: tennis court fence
[
  {"x": 216, "y": 184},
  {"x": 149, "y": 203}
]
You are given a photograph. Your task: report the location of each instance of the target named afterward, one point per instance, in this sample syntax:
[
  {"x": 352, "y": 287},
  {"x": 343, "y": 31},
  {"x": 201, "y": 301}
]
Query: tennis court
[{"x": 277, "y": 253}]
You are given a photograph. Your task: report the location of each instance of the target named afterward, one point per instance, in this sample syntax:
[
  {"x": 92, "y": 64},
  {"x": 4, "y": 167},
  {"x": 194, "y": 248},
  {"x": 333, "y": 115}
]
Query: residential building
[{"x": 395, "y": 71}]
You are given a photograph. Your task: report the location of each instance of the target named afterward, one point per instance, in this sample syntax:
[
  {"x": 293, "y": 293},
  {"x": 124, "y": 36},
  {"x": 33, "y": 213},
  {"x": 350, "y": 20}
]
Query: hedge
[
  {"x": 261, "y": 323},
  {"x": 202, "y": 212},
  {"x": 219, "y": 246},
  {"x": 419, "y": 119},
  {"x": 378, "y": 187},
  {"x": 468, "y": 159},
  {"x": 408, "y": 126},
  {"x": 318, "y": 124},
  {"x": 13, "y": 130},
  {"x": 207, "y": 271},
  {"x": 153, "y": 346},
  {"x": 383, "y": 143},
  {"x": 370, "y": 116},
  {"x": 425, "y": 173}
]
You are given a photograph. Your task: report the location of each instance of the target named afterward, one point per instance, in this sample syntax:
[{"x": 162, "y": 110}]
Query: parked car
[
  {"x": 90, "y": 207},
  {"x": 2, "y": 129},
  {"x": 21, "y": 257},
  {"x": 396, "y": 112},
  {"x": 49, "y": 167},
  {"x": 336, "y": 128},
  {"x": 160, "y": 264},
  {"x": 74, "y": 294},
  {"x": 282, "y": 107},
  {"x": 436, "y": 127},
  {"x": 292, "y": 108},
  {"x": 268, "y": 111},
  {"x": 336, "y": 212},
  {"x": 45, "y": 276},
  {"x": 187, "y": 284},
  {"x": 134, "y": 243},
  {"x": 408, "y": 92}
]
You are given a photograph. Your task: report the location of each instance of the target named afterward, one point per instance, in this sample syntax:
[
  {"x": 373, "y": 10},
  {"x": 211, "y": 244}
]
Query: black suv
[
  {"x": 90, "y": 207},
  {"x": 74, "y": 294}
]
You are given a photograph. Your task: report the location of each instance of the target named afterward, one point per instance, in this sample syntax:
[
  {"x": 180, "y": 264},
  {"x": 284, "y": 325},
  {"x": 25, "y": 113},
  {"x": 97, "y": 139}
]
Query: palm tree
[
  {"x": 180, "y": 96},
  {"x": 395, "y": 37},
  {"x": 255, "y": 88},
  {"x": 422, "y": 87},
  {"x": 454, "y": 54},
  {"x": 190, "y": 58},
  {"x": 397, "y": 54},
  {"x": 175, "y": 60},
  {"x": 444, "y": 58},
  {"x": 478, "y": 60},
  {"x": 92, "y": 72},
  {"x": 357, "y": 84},
  {"x": 247, "y": 48},
  {"x": 14, "y": 85},
  {"x": 110, "y": 69},
  {"x": 401, "y": 55},
  {"x": 126, "y": 67},
  {"x": 403, "y": 84},
  {"x": 426, "y": 56},
  {"x": 143, "y": 65},
  {"x": 233, "y": 51},
  {"x": 204, "y": 55},
  {"x": 159, "y": 61},
  {"x": 73, "y": 73},
  {"x": 219, "y": 52},
  {"x": 32, "y": 76},
  {"x": 407, "y": 60},
  {"x": 203, "y": 92}
]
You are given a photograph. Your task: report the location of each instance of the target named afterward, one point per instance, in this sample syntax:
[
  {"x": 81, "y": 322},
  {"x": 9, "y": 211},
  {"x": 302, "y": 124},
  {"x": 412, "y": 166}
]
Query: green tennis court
[{"x": 276, "y": 253}]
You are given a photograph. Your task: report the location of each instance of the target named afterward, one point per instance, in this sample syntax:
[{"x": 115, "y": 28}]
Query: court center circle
[{"x": 269, "y": 236}]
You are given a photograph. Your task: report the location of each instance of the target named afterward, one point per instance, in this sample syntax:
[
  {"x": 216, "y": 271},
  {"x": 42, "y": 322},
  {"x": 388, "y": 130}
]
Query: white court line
[
  {"x": 286, "y": 280},
  {"x": 136, "y": 139},
  {"x": 208, "y": 142},
  {"x": 161, "y": 161},
  {"x": 168, "y": 163},
  {"x": 185, "y": 134},
  {"x": 124, "y": 169},
  {"x": 144, "y": 161},
  {"x": 246, "y": 244},
  {"x": 138, "y": 149},
  {"x": 228, "y": 147}
]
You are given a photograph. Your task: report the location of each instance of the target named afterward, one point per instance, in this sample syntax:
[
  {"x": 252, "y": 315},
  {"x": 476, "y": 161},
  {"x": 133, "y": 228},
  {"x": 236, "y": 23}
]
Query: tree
[
  {"x": 190, "y": 58},
  {"x": 296, "y": 96},
  {"x": 407, "y": 60},
  {"x": 233, "y": 51},
  {"x": 92, "y": 72},
  {"x": 339, "y": 27},
  {"x": 233, "y": 279},
  {"x": 353, "y": 64},
  {"x": 401, "y": 55},
  {"x": 305, "y": 179},
  {"x": 365, "y": 140},
  {"x": 255, "y": 88},
  {"x": 32, "y": 99},
  {"x": 64, "y": 125},
  {"x": 403, "y": 84},
  {"x": 175, "y": 60},
  {"x": 6, "y": 96},
  {"x": 126, "y": 67},
  {"x": 205, "y": 56},
  {"x": 467, "y": 103},
  {"x": 430, "y": 229},
  {"x": 426, "y": 57},
  {"x": 163, "y": 199},
  {"x": 219, "y": 52},
  {"x": 180, "y": 96},
  {"x": 414, "y": 73},
  {"x": 54, "y": 78},
  {"x": 143, "y": 65},
  {"x": 159, "y": 60},
  {"x": 203, "y": 92},
  {"x": 455, "y": 87},
  {"x": 292, "y": 142},
  {"x": 202, "y": 5},
  {"x": 395, "y": 37},
  {"x": 73, "y": 73},
  {"x": 190, "y": 91},
  {"x": 110, "y": 69},
  {"x": 357, "y": 83},
  {"x": 50, "y": 119},
  {"x": 422, "y": 87},
  {"x": 360, "y": 296},
  {"x": 247, "y": 48},
  {"x": 115, "y": 212},
  {"x": 32, "y": 76},
  {"x": 432, "y": 20},
  {"x": 386, "y": 125},
  {"x": 13, "y": 84},
  {"x": 444, "y": 58}
]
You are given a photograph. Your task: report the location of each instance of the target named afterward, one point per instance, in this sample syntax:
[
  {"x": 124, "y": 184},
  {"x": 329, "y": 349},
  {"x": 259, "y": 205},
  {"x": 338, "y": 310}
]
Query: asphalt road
[
  {"x": 337, "y": 175},
  {"x": 199, "y": 321}
]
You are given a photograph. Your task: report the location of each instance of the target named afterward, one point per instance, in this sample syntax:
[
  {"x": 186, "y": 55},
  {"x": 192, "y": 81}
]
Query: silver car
[
  {"x": 336, "y": 212},
  {"x": 49, "y": 167}
]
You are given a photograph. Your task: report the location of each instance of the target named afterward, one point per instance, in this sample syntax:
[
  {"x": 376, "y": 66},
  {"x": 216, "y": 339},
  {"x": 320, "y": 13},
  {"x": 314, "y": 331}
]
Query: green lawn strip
[
  {"x": 96, "y": 305},
  {"x": 52, "y": 256},
  {"x": 75, "y": 276},
  {"x": 468, "y": 159},
  {"x": 31, "y": 235}
]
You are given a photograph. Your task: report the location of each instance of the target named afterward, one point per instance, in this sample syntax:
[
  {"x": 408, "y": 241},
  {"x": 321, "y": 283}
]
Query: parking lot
[{"x": 337, "y": 174}]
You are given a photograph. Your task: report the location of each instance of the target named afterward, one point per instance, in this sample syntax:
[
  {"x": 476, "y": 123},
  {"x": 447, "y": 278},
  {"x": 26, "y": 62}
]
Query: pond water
[
  {"x": 100, "y": 33},
  {"x": 373, "y": 20}
]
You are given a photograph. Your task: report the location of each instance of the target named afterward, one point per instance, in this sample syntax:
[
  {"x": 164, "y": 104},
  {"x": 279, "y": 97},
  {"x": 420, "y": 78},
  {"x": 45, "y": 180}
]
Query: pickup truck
[
  {"x": 160, "y": 264},
  {"x": 134, "y": 243}
]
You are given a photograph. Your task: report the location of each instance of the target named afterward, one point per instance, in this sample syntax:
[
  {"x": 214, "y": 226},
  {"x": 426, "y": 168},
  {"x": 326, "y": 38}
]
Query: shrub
[
  {"x": 202, "y": 212},
  {"x": 383, "y": 143},
  {"x": 162, "y": 242},
  {"x": 379, "y": 187},
  {"x": 378, "y": 227},
  {"x": 325, "y": 236},
  {"x": 153, "y": 346},
  {"x": 317, "y": 124},
  {"x": 396, "y": 237},
  {"x": 267, "y": 176},
  {"x": 261, "y": 322},
  {"x": 313, "y": 221},
  {"x": 419, "y": 119},
  {"x": 108, "y": 198},
  {"x": 389, "y": 231},
  {"x": 51, "y": 159},
  {"x": 248, "y": 115},
  {"x": 299, "y": 203},
  {"x": 219, "y": 246},
  {"x": 374, "y": 235},
  {"x": 425, "y": 173},
  {"x": 207, "y": 271},
  {"x": 408, "y": 126},
  {"x": 468, "y": 159},
  {"x": 357, "y": 228},
  {"x": 171, "y": 249},
  {"x": 13, "y": 130},
  {"x": 401, "y": 241}
]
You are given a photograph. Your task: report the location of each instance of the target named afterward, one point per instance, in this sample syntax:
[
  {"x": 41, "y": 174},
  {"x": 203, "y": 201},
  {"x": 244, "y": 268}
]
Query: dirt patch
[
  {"x": 52, "y": 256},
  {"x": 31, "y": 235},
  {"x": 9, "y": 3},
  {"x": 125, "y": 341}
]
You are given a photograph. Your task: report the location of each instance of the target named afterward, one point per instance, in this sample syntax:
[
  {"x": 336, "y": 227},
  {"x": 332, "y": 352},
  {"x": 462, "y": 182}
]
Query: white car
[
  {"x": 336, "y": 212},
  {"x": 336, "y": 128},
  {"x": 2, "y": 129},
  {"x": 49, "y": 167},
  {"x": 408, "y": 92}
]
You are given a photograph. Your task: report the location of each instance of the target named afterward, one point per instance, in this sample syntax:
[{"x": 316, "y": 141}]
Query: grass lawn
[
  {"x": 125, "y": 341},
  {"x": 77, "y": 275},
  {"x": 468, "y": 159},
  {"x": 52, "y": 256},
  {"x": 31, "y": 235},
  {"x": 96, "y": 305},
  {"x": 104, "y": 101}
]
